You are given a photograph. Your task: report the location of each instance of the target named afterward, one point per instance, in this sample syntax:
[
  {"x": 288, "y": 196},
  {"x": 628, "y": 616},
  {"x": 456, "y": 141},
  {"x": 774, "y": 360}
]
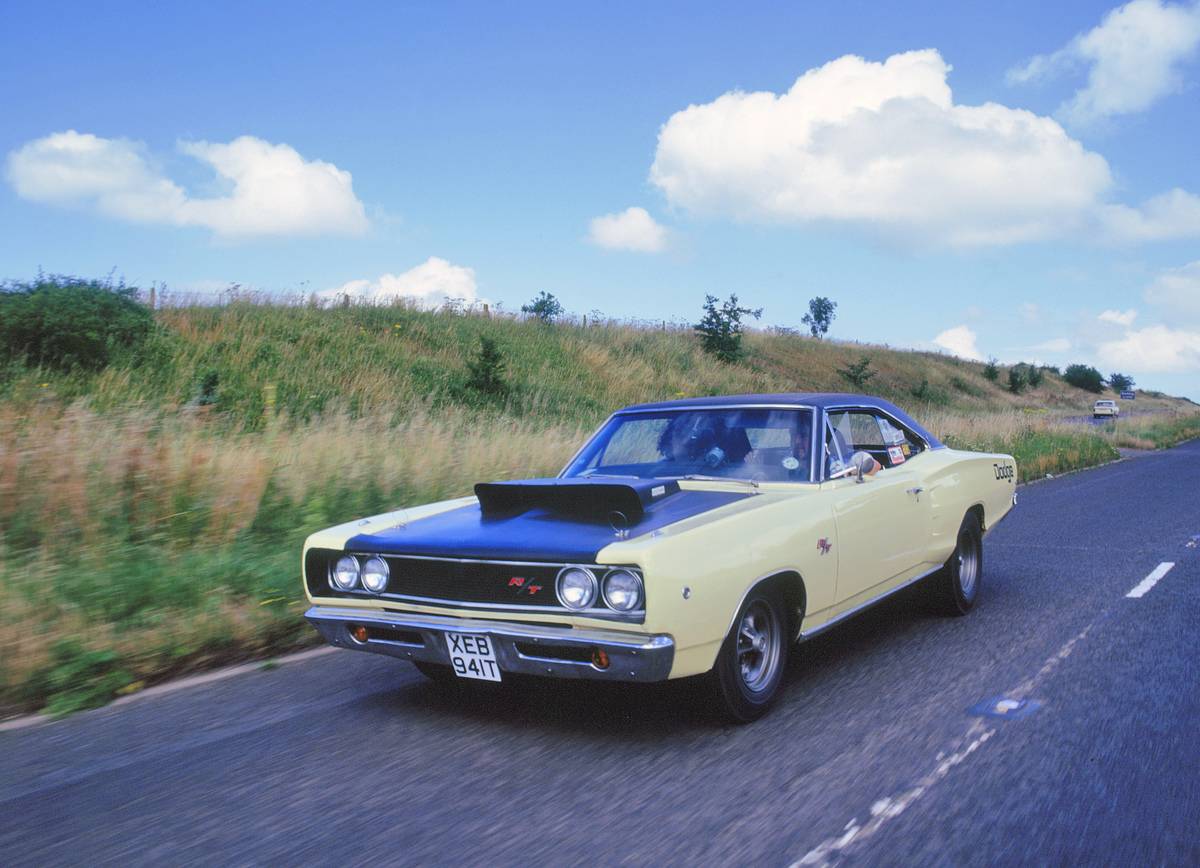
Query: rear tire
[
  {"x": 956, "y": 586},
  {"x": 750, "y": 665}
]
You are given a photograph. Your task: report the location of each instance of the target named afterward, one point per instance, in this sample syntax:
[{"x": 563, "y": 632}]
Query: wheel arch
[
  {"x": 977, "y": 509},
  {"x": 787, "y": 583}
]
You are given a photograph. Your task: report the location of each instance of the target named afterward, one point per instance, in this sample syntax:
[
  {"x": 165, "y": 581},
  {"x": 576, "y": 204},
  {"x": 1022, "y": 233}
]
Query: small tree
[
  {"x": 1034, "y": 376},
  {"x": 820, "y": 315},
  {"x": 487, "y": 369},
  {"x": 545, "y": 307},
  {"x": 720, "y": 329},
  {"x": 992, "y": 370},
  {"x": 1016, "y": 379},
  {"x": 1120, "y": 382},
  {"x": 1084, "y": 377},
  {"x": 859, "y": 372}
]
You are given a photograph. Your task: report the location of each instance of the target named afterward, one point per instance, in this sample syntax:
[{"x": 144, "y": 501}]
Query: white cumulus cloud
[
  {"x": 959, "y": 341},
  {"x": 273, "y": 190},
  {"x": 1177, "y": 291},
  {"x": 430, "y": 283},
  {"x": 631, "y": 229},
  {"x": 882, "y": 144},
  {"x": 1155, "y": 349},
  {"x": 1117, "y": 317},
  {"x": 1133, "y": 59},
  {"x": 1174, "y": 214},
  {"x": 1054, "y": 345}
]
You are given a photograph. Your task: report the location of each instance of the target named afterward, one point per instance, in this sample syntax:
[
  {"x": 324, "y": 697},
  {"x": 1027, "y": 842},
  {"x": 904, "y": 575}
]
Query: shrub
[
  {"x": 1084, "y": 377},
  {"x": 545, "y": 307},
  {"x": 487, "y": 369},
  {"x": 859, "y": 372},
  {"x": 1120, "y": 382},
  {"x": 720, "y": 329},
  {"x": 1034, "y": 376},
  {"x": 68, "y": 323},
  {"x": 1016, "y": 379},
  {"x": 820, "y": 315},
  {"x": 991, "y": 370}
]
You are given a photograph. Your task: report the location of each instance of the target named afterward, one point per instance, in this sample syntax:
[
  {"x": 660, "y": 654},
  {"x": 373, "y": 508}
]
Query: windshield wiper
[{"x": 700, "y": 477}]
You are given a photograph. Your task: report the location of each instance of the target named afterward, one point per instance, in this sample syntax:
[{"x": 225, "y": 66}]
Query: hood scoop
[{"x": 621, "y": 504}]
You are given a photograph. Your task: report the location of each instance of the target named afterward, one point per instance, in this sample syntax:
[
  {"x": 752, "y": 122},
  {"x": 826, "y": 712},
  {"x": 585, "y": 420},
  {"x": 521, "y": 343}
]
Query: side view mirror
[{"x": 861, "y": 462}]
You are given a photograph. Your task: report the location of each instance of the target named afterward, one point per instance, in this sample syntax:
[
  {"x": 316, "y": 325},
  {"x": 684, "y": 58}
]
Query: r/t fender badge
[{"x": 824, "y": 545}]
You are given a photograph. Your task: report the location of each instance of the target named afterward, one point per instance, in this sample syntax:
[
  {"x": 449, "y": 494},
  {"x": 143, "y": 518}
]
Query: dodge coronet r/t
[{"x": 686, "y": 538}]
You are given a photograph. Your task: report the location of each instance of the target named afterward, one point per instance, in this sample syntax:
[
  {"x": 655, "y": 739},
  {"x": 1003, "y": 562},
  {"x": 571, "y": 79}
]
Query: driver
[{"x": 799, "y": 462}]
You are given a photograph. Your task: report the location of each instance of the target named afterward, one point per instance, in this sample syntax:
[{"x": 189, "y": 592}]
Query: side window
[{"x": 867, "y": 431}]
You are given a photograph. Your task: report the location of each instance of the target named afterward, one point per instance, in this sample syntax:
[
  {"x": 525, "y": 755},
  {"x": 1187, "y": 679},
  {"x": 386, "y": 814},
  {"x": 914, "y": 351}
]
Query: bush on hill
[{"x": 68, "y": 323}]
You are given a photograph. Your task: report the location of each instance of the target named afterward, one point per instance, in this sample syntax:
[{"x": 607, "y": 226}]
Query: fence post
[
  {"x": 486, "y": 310},
  {"x": 152, "y": 298}
]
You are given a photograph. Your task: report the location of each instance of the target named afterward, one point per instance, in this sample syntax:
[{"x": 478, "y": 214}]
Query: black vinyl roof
[{"x": 805, "y": 399}]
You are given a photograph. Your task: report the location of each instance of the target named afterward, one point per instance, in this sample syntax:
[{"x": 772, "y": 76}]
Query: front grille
[
  {"x": 458, "y": 581},
  {"x": 473, "y": 581}
]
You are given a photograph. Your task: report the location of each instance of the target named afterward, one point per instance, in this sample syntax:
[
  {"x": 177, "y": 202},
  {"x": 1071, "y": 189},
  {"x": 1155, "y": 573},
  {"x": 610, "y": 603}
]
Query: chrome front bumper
[{"x": 519, "y": 648}]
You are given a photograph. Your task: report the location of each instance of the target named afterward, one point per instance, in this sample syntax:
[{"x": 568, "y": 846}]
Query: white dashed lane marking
[{"x": 1143, "y": 587}]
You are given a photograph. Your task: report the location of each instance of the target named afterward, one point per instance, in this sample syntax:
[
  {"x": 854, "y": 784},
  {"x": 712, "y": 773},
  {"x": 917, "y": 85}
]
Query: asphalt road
[{"x": 873, "y": 756}]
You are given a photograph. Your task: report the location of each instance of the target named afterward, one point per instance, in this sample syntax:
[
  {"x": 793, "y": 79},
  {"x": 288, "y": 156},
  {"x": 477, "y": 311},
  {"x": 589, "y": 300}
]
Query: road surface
[{"x": 876, "y": 754}]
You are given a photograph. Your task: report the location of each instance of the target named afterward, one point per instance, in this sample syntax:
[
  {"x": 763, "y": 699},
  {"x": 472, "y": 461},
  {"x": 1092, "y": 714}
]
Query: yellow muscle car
[{"x": 695, "y": 537}]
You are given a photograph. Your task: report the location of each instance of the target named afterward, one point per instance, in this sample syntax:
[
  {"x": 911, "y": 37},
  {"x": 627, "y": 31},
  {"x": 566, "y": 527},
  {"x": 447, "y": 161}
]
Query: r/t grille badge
[
  {"x": 518, "y": 582},
  {"x": 824, "y": 545}
]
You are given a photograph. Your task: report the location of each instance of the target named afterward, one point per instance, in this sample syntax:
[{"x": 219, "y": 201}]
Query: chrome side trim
[
  {"x": 817, "y": 631},
  {"x": 634, "y": 657}
]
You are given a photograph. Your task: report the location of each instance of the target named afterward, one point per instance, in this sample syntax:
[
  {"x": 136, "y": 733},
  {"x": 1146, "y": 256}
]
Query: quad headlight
[
  {"x": 375, "y": 575},
  {"x": 576, "y": 587},
  {"x": 622, "y": 591},
  {"x": 346, "y": 572}
]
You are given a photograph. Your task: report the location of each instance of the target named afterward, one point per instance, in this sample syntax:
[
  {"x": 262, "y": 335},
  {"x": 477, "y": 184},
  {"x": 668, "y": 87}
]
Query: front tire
[
  {"x": 956, "y": 585},
  {"x": 750, "y": 665}
]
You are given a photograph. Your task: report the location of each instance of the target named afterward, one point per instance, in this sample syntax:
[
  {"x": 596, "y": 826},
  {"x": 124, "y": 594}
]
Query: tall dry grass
[{"x": 173, "y": 542}]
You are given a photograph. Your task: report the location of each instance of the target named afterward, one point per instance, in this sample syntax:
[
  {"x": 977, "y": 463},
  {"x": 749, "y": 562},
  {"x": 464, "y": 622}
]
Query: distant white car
[{"x": 1105, "y": 408}]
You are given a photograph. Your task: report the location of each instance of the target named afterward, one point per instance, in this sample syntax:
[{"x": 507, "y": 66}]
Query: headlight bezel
[
  {"x": 365, "y": 570},
  {"x": 335, "y": 570},
  {"x": 593, "y": 588},
  {"x": 639, "y": 590}
]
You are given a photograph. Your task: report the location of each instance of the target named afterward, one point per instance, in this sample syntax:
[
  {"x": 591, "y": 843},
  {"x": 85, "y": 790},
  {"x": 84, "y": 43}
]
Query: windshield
[{"x": 762, "y": 444}]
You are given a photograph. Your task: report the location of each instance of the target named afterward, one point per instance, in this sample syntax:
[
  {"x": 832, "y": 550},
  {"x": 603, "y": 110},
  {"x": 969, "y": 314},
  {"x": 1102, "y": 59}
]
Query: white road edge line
[
  {"x": 830, "y": 851},
  {"x": 166, "y": 687},
  {"x": 1143, "y": 587}
]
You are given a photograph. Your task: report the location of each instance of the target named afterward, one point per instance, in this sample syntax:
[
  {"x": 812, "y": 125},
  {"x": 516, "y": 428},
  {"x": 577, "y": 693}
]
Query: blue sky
[{"x": 1016, "y": 179}]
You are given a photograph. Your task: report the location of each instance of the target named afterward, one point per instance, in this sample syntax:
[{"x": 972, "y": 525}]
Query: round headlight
[
  {"x": 375, "y": 575},
  {"x": 576, "y": 587},
  {"x": 345, "y": 572},
  {"x": 622, "y": 591}
]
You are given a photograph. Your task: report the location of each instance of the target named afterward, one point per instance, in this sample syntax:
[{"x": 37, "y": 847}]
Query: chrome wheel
[
  {"x": 758, "y": 647},
  {"x": 968, "y": 565}
]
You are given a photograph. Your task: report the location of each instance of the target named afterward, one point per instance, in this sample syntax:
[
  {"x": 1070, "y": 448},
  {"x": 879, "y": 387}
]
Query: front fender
[{"x": 698, "y": 572}]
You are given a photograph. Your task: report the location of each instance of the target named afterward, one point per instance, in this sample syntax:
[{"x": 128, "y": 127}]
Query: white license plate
[{"x": 473, "y": 656}]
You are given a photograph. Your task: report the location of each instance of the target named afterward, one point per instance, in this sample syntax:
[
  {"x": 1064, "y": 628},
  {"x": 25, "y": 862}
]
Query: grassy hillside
[{"x": 151, "y": 514}]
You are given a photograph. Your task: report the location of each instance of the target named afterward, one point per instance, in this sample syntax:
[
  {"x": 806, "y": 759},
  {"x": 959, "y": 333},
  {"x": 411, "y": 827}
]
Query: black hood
[{"x": 551, "y": 520}]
